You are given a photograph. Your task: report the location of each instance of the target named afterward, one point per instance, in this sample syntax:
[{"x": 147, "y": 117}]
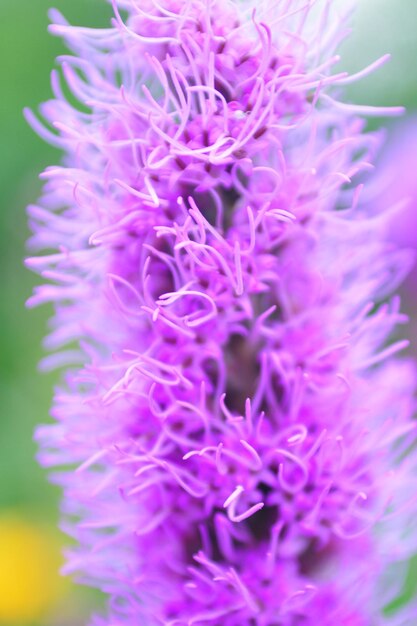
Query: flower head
[{"x": 234, "y": 422}]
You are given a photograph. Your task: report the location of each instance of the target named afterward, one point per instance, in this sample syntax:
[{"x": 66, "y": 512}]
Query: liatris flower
[
  {"x": 395, "y": 189},
  {"x": 233, "y": 432}
]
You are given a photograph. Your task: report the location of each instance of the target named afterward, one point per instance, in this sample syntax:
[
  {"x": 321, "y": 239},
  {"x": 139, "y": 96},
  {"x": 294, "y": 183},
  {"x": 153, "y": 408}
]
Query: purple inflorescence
[{"x": 233, "y": 434}]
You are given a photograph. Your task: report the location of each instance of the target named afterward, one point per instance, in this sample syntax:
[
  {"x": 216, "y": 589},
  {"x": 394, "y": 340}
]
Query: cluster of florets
[{"x": 235, "y": 433}]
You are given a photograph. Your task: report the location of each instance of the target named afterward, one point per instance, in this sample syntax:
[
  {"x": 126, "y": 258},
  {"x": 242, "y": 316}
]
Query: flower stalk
[{"x": 232, "y": 433}]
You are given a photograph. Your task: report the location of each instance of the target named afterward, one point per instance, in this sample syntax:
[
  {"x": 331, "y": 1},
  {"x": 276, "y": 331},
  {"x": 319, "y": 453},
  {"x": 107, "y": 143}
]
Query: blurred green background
[{"x": 30, "y": 592}]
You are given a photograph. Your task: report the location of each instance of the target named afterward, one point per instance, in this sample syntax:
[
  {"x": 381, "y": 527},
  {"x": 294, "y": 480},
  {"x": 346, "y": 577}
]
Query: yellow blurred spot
[{"x": 29, "y": 563}]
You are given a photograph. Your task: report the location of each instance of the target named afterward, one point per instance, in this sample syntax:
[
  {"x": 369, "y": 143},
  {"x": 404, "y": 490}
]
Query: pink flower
[{"x": 234, "y": 425}]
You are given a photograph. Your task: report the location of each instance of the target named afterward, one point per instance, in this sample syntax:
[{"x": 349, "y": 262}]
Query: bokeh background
[{"x": 31, "y": 591}]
